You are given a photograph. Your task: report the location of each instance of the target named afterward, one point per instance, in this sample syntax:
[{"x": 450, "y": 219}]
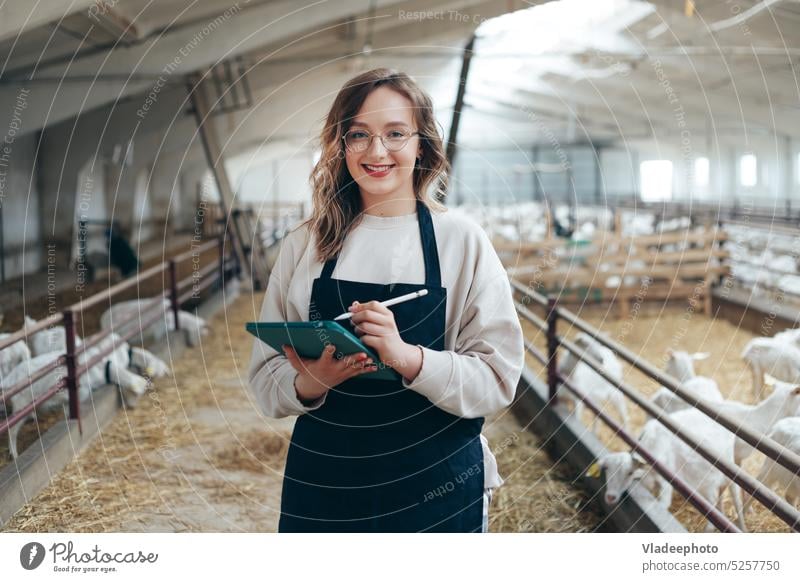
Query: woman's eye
[
  {"x": 394, "y": 134},
  {"x": 358, "y": 135}
]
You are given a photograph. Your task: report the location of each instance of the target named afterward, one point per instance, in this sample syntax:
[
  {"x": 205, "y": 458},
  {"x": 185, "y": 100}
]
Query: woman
[{"x": 403, "y": 455}]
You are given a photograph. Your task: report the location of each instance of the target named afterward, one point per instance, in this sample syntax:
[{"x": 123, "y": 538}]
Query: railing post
[
  {"x": 173, "y": 292},
  {"x": 552, "y": 349},
  {"x": 72, "y": 376},
  {"x": 221, "y": 248},
  {"x": 237, "y": 264}
]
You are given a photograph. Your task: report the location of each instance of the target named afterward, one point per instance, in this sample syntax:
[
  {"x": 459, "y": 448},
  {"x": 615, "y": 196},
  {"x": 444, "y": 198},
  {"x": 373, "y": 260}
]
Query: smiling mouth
[{"x": 377, "y": 169}]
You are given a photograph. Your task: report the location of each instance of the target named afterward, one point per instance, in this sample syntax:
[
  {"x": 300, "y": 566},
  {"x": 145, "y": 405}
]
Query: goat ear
[
  {"x": 769, "y": 380},
  {"x": 700, "y": 355}
]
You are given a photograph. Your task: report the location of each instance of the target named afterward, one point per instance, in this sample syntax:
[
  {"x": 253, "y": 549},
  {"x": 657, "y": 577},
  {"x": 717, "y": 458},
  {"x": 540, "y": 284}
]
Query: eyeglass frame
[{"x": 371, "y": 136}]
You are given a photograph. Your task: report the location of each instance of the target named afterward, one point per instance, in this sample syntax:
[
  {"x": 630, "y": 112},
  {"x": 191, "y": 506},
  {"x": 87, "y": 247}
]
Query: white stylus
[{"x": 388, "y": 302}]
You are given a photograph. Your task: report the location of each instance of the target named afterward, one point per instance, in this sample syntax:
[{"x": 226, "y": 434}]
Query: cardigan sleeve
[
  {"x": 480, "y": 376},
  {"x": 271, "y": 375}
]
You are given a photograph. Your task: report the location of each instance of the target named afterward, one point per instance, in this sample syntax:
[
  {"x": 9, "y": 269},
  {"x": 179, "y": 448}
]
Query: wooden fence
[{"x": 621, "y": 270}]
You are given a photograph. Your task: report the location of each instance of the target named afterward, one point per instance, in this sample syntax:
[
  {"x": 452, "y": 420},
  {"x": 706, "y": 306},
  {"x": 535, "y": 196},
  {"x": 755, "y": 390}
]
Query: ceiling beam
[
  {"x": 174, "y": 54},
  {"x": 17, "y": 18}
]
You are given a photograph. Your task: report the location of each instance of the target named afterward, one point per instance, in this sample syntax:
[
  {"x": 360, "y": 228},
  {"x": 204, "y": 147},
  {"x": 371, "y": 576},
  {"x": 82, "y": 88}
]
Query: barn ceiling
[{"x": 573, "y": 70}]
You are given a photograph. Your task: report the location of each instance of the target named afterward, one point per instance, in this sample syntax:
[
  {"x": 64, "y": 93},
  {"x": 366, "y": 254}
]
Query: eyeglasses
[{"x": 359, "y": 140}]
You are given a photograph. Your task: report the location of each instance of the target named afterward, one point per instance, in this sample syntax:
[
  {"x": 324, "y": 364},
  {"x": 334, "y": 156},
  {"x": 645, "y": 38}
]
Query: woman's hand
[
  {"x": 375, "y": 326},
  {"x": 317, "y": 376}
]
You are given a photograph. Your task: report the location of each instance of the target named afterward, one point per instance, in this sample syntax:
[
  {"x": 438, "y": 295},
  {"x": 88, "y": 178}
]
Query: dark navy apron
[{"x": 376, "y": 456}]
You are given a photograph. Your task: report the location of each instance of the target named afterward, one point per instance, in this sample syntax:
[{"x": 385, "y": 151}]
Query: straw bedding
[
  {"x": 192, "y": 443},
  {"x": 194, "y": 456}
]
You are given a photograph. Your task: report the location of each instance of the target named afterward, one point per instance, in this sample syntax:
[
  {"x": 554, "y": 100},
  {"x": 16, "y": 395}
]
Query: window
[
  {"x": 701, "y": 172},
  {"x": 748, "y": 170},
  {"x": 797, "y": 166},
  {"x": 655, "y": 178}
]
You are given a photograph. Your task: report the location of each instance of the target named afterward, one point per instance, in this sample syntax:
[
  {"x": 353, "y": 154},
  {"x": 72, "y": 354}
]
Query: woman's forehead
[{"x": 384, "y": 107}]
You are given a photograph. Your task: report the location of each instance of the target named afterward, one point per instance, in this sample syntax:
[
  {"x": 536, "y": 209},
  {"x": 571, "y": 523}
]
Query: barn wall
[
  {"x": 126, "y": 145},
  {"x": 503, "y": 175},
  {"x": 19, "y": 197}
]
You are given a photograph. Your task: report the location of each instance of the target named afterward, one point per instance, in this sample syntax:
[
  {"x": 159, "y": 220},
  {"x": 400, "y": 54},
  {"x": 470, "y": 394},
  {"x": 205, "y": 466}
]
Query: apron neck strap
[{"x": 433, "y": 275}]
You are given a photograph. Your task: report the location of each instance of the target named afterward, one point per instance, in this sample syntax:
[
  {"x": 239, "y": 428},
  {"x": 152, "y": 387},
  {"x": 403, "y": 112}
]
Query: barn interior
[{"x": 636, "y": 165}]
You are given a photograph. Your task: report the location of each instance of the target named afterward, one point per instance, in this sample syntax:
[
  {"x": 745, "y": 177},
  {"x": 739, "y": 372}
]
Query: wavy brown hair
[{"x": 336, "y": 199}]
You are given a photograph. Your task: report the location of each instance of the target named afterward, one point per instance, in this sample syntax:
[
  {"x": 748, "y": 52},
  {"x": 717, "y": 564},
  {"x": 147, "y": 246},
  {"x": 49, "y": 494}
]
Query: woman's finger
[
  {"x": 368, "y": 315},
  {"x": 358, "y": 370},
  {"x": 375, "y": 306},
  {"x": 367, "y": 369},
  {"x": 372, "y": 329},
  {"x": 329, "y": 353},
  {"x": 297, "y": 362},
  {"x": 354, "y": 360},
  {"x": 291, "y": 355}
]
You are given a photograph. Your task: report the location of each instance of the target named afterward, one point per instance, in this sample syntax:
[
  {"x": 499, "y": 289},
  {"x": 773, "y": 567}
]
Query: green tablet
[{"x": 309, "y": 338}]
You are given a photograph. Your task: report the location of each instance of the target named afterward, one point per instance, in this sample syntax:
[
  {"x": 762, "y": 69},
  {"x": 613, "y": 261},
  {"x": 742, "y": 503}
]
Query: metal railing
[
  {"x": 774, "y": 503},
  {"x": 70, "y": 319}
]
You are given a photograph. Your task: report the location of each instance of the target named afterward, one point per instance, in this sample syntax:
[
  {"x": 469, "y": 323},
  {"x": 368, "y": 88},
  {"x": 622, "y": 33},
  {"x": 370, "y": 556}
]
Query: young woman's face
[{"x": 378, "y": 171}]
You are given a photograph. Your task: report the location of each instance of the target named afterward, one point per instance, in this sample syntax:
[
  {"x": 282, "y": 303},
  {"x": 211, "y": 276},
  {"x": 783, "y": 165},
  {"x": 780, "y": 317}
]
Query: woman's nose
[{"x": 377, "y": 147}]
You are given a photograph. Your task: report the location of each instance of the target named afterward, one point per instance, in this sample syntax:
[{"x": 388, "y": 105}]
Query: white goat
[
  {"x": 142, "y": 361},
  {"x": 112, "y": 369},
  {"x": 193, "y": 327},
  {"x": 700, "y": 386},
  {"x": 586, "y": 379},
  {"x": 787, "y": 433},
  {"x": 148, "y": 364},
  {"x": 13, "y": 355},
  {"x": 622, "y": 470},
  {"x": 782, "y": 403},
  {"x": 680, "y": 365},
  {"x": 789, "y": 335},
  {"x": 789, "y": 283},
  {"x": 52, "y": 339},
  {"x": 772, "y": 356}
]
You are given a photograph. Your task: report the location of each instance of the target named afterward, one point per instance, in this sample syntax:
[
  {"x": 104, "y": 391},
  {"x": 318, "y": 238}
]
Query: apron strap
[
  {"x": 327, "y": 269},
  {"x": 433, "y": 274}
]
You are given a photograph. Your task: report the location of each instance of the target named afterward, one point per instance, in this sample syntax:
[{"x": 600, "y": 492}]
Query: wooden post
[
  {"x": 216, "y": 161},
  {"x": 72, "y": 379},
  {"x": 549, "y": 215},
  {"x": 552, "y": 349},
  {"x": 221, "y": 247},
  {"x": 173, "y": 292}
]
